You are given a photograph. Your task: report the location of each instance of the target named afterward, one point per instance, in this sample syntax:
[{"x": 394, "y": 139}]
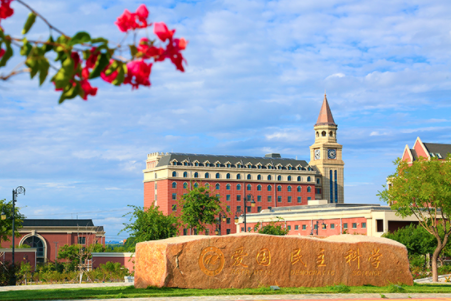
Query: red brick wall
[{"x": 19, "y": 257}]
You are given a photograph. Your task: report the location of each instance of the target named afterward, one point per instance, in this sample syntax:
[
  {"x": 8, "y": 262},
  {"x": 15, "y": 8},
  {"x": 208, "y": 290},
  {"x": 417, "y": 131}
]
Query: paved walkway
[{"x": 57, "y": 286}]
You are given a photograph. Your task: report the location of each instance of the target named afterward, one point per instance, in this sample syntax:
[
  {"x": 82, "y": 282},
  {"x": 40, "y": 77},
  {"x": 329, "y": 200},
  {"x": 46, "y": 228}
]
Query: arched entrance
[{"x": 36, "y": 242}]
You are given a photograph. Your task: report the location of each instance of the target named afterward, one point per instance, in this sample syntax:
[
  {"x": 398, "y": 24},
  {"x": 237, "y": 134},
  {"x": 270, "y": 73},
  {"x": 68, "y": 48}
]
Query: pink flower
[
  {"x": 138, "y": 73},
  {"x": 142, "y": 13},
  {"x": 109, "y": 78},
  {"x": 125, "y": 21},
  {"x": 135, "y": 20},
  {"x": 87, "y": 89},
  {"x": 76, "y": 58},
  {"x": 162, "y": 31},
  {"x": 149, "y": 51},
  {"x": 173, "y": 52},
  {"x": 5, "y": 10},
  {"x": 2, "y": 52}
]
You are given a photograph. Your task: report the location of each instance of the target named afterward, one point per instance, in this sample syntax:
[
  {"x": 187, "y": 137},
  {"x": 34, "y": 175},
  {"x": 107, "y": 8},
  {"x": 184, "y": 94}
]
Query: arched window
[
  {"x": 259, "y": 177},
  {"x": 36, "y": 242},
  {"x": 217, "y": 186},
  {"x": 289, "y": 178},
  {"x": 185, "y": 185},
  {"x": 196, "y": 185},
  {"x": 207, "y": 175},
  {"x": 309, "y": 189},
  {"x": 289, "y": 188},
  {"x": 269, "y": 187},
  {"x": 228, "y": 176},
  {"x": 218, "y": 175},
  {"x": 331, "y": 134},
  {"x": 249, "y": 187},
  {"x": 317, "y": 134},
  {"x": 259, "y": 187},
  {"x": 207, "y": 185},
  {"x": 185, "y": 174},
  {"x": 299, "y": 179},
  {"x": 279, "y": 178},
  {"x": 323, "y": 133},
  {"x": 317, "y": 181},
  {"x": 249, "y": 177},
  {"x": 238, "y": 176},
  {"x": 299, "y": 188},
  {"x": 174, "y": 173},
  {"x": 228, "y": 186},
  {"x": 238, "y": 187},
  {"x": 174, "y": 185},
  {"x": 196, "y": 175},
  {"x": 269, "y": 177},
  {"x": 308, "y": 179},
  {"x": 279, "y": 188}
]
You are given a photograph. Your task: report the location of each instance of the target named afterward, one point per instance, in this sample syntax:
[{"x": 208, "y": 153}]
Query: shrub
[
  {"x": 340, "y": 288},
  {"x": 395, "y": 288},
  {"x": 7, "y": 272}
]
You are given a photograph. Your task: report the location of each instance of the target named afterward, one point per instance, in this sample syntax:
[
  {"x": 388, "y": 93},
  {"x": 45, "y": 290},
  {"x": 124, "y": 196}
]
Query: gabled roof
[
  {"x": 325, "y": 114},
  {"x": 437, "y": 148}
]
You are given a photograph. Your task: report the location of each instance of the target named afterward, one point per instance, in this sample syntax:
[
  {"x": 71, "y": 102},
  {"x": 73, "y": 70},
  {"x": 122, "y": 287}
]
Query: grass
[{"x": 131, "y": 292}]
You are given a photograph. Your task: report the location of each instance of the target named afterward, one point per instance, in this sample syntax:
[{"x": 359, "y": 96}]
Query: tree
[
  {"x": 272, "y": 228},
  {"x": 149, "y": 224},
  {"x": 200, "y": 207},
  {"x": 81, "y": 58},
  {"x": 423, "y": 189},
  {"x": 6, "y": 226},
  {"x": 417, "y": 240}
]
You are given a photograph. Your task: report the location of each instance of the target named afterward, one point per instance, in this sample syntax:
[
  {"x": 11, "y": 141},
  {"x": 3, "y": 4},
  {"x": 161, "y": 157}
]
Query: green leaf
[
  {"x": 30, "y": 21},
  {"x": 133, "y": 50},
  {"x": 99, "y": 40},
  {"x": 64, "y": 74},
  {"x": 48, "y": 47},
  {"x": 9, "y": 51},
  {"x": 69, "y": 92},
  {"x": 122, "y": 70},
  {"x": 80, "y": 38},
  {"x": 26, "y": 48},
  {"x": 102, "y": 63},
  {"x": 43, "y": 71}
]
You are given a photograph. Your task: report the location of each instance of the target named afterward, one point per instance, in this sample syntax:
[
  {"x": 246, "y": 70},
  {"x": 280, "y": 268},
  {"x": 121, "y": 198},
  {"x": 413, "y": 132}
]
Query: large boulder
[{"x": 253, "y": 260}]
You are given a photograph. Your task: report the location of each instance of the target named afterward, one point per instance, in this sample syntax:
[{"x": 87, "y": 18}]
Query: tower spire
[{"x": 325, "y": 114}]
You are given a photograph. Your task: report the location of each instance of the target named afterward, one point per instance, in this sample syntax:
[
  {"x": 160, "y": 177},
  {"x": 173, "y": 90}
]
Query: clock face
[
  {"x": 332, "y": 153},
  {"x": 317, "y": 154}
]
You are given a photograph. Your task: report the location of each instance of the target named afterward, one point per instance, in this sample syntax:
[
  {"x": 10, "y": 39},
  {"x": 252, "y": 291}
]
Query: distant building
[
  {"x": 426, "y": 150},
  {"x": 48, "y": 235}
]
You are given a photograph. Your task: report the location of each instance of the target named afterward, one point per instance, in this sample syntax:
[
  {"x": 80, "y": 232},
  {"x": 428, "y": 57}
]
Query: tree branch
[{"x": 6, "y": 77}]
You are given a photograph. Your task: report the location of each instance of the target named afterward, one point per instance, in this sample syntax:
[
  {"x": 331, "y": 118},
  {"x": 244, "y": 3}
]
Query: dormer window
[
  {"x": 218, "y": 165},
  {"x": 238, "y": 165},
  {"x": 196, "y": 164},
  {"x": 228, "y": 165},
  {"x": 289, "y": 167},
  {"x": 185, "y": 163},
  {"x": 439, "y": 156},
  {"x": 174, "y": 162}
]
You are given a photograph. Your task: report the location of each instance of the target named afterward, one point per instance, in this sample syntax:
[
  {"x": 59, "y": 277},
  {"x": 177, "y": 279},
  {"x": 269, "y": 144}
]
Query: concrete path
[{"x": 57, "y": 286}]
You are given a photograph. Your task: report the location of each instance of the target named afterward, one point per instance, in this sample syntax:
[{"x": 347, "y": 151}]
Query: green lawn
[{"x": 131, "y": 292}]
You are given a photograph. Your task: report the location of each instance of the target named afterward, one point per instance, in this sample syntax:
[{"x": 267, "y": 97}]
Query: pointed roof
[{"x": 325, "y": 115}]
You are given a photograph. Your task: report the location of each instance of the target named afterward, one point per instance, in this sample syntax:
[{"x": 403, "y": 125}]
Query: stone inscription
[{"x": 211, "y": 261}]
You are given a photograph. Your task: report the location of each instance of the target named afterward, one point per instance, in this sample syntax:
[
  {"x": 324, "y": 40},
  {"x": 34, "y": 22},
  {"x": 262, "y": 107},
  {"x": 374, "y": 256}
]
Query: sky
[{"x": 255, "y": 78}]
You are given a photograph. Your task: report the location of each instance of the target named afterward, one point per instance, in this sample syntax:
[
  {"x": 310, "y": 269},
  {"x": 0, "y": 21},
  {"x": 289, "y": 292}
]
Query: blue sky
[{"x": 255, "y": 80}]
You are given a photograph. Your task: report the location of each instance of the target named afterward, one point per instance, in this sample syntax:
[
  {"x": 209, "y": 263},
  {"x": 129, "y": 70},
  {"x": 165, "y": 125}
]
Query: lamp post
[
  {"x": 220, "y": 219},
  {"x": 17, "y": 191},
  {"x": 317, "y": 228},
  {"x": 249, "y": 198}
]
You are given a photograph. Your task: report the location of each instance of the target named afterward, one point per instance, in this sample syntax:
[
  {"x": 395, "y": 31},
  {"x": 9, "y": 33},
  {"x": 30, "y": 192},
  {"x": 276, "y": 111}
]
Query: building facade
[
  {"x": 425, "y": 150},
  {"x": 271, "y": 181}
]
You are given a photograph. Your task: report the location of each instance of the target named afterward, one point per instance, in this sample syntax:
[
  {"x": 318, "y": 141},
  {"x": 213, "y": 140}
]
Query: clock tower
[{"x": 326, "y": 155}]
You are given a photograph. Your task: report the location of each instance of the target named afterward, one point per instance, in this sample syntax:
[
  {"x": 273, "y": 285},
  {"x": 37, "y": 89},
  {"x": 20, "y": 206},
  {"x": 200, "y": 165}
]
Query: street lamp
[
  {"x": 17, "y": 191},
  {"x": 323, "y": 224},
  {"x": 222, "y": 218},
  {"x": 249, "y": 198}
]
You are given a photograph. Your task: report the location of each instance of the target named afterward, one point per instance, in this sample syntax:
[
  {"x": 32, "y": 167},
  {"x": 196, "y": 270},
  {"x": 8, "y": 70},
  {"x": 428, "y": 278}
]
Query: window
[
  {"x": 228, "y": 197},
  {"x": 249, "y": 187},
  {"x": 218, "y": 196},
  {"x": 299, "y": 199},
  {"x": 269, "y": 177},
  {"x": 289, "y": 199},
  {"x": 279, "y": 178},
  {"x": 81, "y": 240},
  {"x": 289, "y": 168},
  {"x": 185, "y": 174},
  {"x": 345, "y": 226},
  {"x": 298, "y": 188},
  {"x": 228, "y": 220},
  {"x": 207, "y": 231},
  {"x": 308, "y": 179},
  {"x": 207, "y": 185},
  {"x": 363, "y": 225},
  {"x": 238, "y": 176},
  {"x": 279, "y": 199},
  {"x": 304, "y": 227},
  {"x": 196, "y": 185},
  {"x": 289, "y": 228},
  {"x": 174, "y": 163},
  {"x": 317, "y": 181},
  {"x": 218, "y": 165},
  {"x": 315, "y": 227},
  {"x": 332, "y": 226},
  {"x": 279, "y": 188},
  {"x": 299, "y": 179},
  {"x": 207, "y": 164},
  {"x": 228, "y": 176},
  {"x": 238, "y": 187},
  {"x": 309, "y": 198},
  {"x": 238, "y": 197},
  {"x": 242, "y": 229},
  {"x": 259, "y": 187},
  {"x": 249, "y": 209},
  {"x": 228, "y": 208},
  {"x": 196, "y": 164},
  {"x": 174, "y": 185},
  {"x": 259, "y": 209},
  {"x": 259, "y": 198},
  {"x": 185, "y": 185},
  {"x": 174, "y": 207},
  {"x": 259, "y": 177},
  {"x": 196, "y": 175},
  {"x": 238, "y": 208},
  {"x": 269, "y": 198},
  {"x": 296, "y": 227},
  {"x": 228, "y": 165},
  {"x": 380, "y": 225},
  {"x": 174, "y": 196},
  {"x": 324, "y": 226},
  {"x": 218, "y": 175},
  {"x": 269, "y": 187},
  {"x": 249, "y": 177},
  {"x": 174, "y": 174},
  {"x": 228, "y": 231},
  {"x": 228, "y": 186},
  {"x": 185, "y": 232},
  {"x": 289, "y": 178},
  {"x": 207, "y": 175},
  {"x": 238, "y": 165},
  {"x": 259, "y": 167},
  {"x": 354, "y": 225},
  {"x": 309, "y": 189},
  {"x": 289, "y": 188},
  {"x": 185, "y": 163},
  {"x": 318, "y": 190},
  {"x": 248, "y": 229}
]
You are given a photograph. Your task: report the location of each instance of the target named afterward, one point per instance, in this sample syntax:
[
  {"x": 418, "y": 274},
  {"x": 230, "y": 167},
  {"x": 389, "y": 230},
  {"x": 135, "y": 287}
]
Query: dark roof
[
  {"x": 414, "y": 154},
  {"x": 180, "y": 157},
  {"x": 58, "y": 223},
  {"x": 436, "y": 148}
]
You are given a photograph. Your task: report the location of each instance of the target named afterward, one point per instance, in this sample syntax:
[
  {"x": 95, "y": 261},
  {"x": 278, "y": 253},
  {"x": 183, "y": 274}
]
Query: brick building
[
  {"x": 272, "y": 181},
  {"x": 426, "y": 150}
]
